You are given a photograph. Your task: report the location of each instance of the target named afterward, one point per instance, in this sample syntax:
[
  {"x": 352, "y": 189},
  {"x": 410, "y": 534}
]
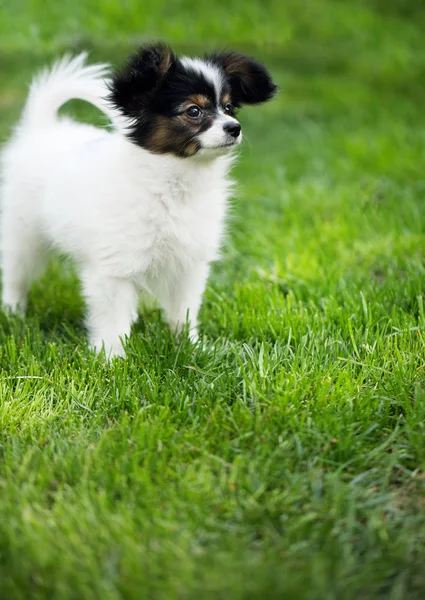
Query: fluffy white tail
[{"x": 69, "y": 78}]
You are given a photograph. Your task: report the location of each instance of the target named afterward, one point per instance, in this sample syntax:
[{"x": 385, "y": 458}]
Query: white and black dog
[{"x": 139, "y": 208}]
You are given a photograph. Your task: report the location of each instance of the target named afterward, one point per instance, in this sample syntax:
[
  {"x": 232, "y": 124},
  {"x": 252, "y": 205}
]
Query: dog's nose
[{"x": 232, "y": 128}]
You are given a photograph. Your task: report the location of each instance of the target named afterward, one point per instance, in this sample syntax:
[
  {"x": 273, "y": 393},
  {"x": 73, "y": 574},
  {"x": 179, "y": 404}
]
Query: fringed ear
[
  {"x": 249, "y": 79},
  {"x": 142, "y": 75}
]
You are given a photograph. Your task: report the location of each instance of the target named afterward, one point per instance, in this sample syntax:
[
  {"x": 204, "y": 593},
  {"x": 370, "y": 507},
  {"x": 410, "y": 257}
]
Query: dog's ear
[
  {"x": 142, "y": 75},
  {"x": 249, "y": 80}
]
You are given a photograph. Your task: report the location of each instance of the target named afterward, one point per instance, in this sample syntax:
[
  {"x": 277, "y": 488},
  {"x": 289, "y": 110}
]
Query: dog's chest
[
  {"x": 182, "y": 230},
  {"x": 178, "y": 227}
]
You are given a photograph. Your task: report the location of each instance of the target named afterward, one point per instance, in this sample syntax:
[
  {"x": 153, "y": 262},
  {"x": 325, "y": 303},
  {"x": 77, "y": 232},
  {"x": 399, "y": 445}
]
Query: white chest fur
[{"x": 173, "y": 219}]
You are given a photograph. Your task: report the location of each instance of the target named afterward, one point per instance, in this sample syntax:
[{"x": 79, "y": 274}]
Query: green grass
[{"x": 289, "y": 461}]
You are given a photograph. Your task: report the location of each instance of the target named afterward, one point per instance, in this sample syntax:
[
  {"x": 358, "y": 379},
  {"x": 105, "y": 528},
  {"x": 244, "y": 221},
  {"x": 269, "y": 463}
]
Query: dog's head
[{"x": 186, "y": 106}]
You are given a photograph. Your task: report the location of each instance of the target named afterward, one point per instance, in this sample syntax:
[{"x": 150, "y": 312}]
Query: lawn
[{"x": 288, "y": 460}]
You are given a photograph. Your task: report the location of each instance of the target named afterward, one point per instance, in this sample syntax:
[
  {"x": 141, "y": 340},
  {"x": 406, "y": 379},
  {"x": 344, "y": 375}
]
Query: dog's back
[{"x": 27, "y": 162}]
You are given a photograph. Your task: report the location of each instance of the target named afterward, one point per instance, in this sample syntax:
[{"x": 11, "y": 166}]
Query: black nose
[{"x": 233, "y": 128}]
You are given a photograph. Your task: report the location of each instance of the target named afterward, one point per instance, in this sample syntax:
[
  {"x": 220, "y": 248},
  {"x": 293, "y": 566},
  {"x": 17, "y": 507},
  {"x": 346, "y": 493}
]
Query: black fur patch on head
[
  {"x": 152, "y": 89},
  {"x": 249, "y": 80},
  {"x": 136, "y": 84},
  {"x": 182, "y": 83}
]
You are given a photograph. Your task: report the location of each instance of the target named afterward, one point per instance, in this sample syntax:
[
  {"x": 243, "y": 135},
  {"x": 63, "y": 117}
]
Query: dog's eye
[
  {"x": 228, "y": 109},
  {"x": 194, "y": 112}
]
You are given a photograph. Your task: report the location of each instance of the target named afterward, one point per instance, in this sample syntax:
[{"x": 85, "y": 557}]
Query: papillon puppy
[{"x": 141, "y": 207}]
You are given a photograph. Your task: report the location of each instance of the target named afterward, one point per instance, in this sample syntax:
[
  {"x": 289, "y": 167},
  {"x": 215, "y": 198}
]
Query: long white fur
[{"x": 133, "y": 221}]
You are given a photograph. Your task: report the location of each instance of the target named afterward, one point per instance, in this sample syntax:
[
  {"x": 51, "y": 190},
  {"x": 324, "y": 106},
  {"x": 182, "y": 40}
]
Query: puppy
[{"x": 139, "y": 208}]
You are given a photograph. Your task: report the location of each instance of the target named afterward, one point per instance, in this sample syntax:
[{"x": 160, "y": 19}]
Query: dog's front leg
[
  {"x": 112, "y": 308},
  {"x": 184, "y": 300}
]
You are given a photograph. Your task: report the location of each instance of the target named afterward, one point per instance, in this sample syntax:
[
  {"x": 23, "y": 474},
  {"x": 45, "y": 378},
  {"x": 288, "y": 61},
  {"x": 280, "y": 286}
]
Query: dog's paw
[
  {"x": 194, "y": 336},
  {"x": 110, "y": 351},
  {"x": 14, "y": 307}
]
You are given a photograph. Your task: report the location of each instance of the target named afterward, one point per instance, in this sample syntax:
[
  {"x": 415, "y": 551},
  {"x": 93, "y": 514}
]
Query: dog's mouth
[
  {"x": 224, "y": 145},
  {"x": 219, "y": 148}
]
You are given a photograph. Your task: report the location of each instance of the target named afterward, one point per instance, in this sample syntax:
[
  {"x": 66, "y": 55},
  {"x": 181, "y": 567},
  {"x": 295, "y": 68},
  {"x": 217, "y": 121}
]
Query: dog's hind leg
[{"x": 23, "y": 258}]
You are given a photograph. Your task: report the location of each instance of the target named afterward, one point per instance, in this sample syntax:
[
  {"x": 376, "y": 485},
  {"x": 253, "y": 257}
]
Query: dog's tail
[{"x": 69, "y": 78}]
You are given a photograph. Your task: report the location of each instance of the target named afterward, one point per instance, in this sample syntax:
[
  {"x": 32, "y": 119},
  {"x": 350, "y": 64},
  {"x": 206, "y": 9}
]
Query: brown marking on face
[
  {"x": 174, "y": 135},
  {"x": 159, "y": 139},
  {"x": 198, "y": 99},
  {"x": 191, "y": 148},
  {"x": 226, "y": 99}
]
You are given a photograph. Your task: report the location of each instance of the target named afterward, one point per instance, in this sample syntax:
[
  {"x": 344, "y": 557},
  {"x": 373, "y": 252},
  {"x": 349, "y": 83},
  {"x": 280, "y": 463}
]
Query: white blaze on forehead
[{"x": 209, "y": 70}]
